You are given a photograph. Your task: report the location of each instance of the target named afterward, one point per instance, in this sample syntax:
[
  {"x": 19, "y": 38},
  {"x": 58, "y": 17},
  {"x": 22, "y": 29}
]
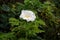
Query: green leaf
[
  {"x": 13, "y": 21},
  {"x": 41, "y": 22},
  {"x": 7, "y": 36}
]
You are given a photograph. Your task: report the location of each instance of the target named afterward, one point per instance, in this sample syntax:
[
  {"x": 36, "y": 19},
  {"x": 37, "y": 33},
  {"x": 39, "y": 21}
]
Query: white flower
[{"x": 27, "y": 15}]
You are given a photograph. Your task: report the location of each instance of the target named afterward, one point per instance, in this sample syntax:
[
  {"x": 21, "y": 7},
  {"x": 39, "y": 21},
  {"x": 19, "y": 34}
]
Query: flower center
[{"x": 27, "y": 16}]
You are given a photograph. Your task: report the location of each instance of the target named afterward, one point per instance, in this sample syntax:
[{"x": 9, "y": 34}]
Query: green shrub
[{"x": 45, "y": 22}]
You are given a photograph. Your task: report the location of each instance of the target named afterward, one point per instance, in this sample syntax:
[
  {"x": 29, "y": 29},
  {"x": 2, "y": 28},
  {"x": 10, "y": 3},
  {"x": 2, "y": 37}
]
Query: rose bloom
[{"x": 27, "y": 15}]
